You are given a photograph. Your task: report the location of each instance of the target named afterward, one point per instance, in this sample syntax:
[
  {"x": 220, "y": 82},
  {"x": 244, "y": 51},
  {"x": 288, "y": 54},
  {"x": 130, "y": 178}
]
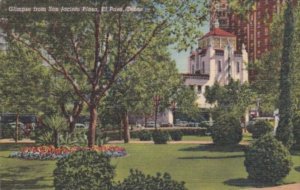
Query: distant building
[
  {"x": 215, "y": 60},
  {"x": 253, "y": 29}
]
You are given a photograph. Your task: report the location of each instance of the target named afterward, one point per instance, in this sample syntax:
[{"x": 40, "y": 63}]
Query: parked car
[
  {"x": 13, "y": 125},
  {"x": 166, "y": 125},
  {"x": 193, "y": 124},
  {"x": 182, "y": 123},
  {"x": 151, "y": 124},
  {"x": 81, "y": 126}
]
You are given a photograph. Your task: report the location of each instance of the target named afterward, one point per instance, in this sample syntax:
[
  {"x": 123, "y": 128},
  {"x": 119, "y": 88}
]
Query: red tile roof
[{"x": 218, "y": 32}]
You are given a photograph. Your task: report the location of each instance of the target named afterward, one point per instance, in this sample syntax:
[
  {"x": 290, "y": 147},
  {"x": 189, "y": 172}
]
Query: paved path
[
  {"x": 9, "y": 141},
  {"x": 6, "y": 141},
  {"x": 282, "y": 187},
  {"x": 170, "y": 142}
]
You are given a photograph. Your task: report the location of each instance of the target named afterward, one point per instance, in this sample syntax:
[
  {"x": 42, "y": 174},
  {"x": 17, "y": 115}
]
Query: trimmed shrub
[
  {"x": 84, "y": 170},
  {"x": 296, "y": 131},
  {"x": 145, "y": 136},
  {"x": 176, "y": 135},
  {"x": 160, "y": 137},
  {"x": 226, "y": 131},
  {"x": 260, "y": 128},
  {"x": 267, "y": 160},
  {"x": 138, "y": 180},
  {"x": 193, "y": 131}
]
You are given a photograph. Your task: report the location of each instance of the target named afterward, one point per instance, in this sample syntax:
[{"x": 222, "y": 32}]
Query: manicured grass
[
  {"x": 200, "y": 166},
  {"x": 24, "y": 174},
  {"x": 196, "y": 138},
  {"x": 247, "y": 137}
]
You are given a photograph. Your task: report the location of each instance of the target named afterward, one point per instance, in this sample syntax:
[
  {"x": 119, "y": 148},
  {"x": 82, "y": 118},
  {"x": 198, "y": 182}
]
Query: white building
[{"x": 215, "y": 60}]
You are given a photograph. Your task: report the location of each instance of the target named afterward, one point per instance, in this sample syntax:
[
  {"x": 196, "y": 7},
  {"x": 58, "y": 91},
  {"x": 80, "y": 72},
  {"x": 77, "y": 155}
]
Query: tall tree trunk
[
  {"x": 17, "y": 128},
  {"x": 92, "y": 125},
  {"x": 72, "y": 125},
  {"x": 126, "y": 127},
  {"x": 155, "y": 115},
  {"x": 145, "y": 120},
  {"x": 73, "y": 116},
  {"x": 284, "y": 131},
  {"x": 55, "y": 138}
]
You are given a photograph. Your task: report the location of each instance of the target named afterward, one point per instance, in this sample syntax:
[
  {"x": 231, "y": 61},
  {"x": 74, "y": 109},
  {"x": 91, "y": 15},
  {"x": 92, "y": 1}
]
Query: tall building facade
[
  {"x": 215, "y": 60},
  {"x": 252, "y": 30}
]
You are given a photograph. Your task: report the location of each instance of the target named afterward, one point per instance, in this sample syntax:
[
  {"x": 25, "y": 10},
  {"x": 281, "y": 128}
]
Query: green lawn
[{"x": 200, "y": 166}]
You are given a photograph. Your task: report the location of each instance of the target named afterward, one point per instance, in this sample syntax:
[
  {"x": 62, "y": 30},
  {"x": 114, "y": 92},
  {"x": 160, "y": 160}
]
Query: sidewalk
[
  {"x": 10, "y": 141},
  {"x": 169, "y": 142},
  {"x": 282, "y": 187}
]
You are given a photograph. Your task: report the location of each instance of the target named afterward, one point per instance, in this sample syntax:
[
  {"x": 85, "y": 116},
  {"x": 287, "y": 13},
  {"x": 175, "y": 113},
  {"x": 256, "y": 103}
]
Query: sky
[{"x": 182, "y": 57}]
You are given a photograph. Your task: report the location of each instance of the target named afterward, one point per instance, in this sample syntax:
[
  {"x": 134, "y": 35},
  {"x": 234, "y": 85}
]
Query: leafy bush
[
  {"x": 138, "y": 180},
  {"x": 9, "y": 132},
  {"x": 176, "y": 135},
  {"x": 160, "y": 137},
  {"x": 260, "y": 128},
  {"x": 226, "y": 131},
  {"x": 267, "y": 160},
  {"x": 193, "y": 131},
  {"x": 84, "y": 170},
  {"x": 77, "y": 138},
  {"x": 145, "y": 135}
]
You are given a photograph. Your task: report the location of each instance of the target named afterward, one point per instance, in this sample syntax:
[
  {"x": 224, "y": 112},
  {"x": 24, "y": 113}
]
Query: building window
[
  {"x": 197, "y": 66},
  {"x": 219, "y": 66},
  {"x": 203, "y": 67},
  {"x": 199, "y": 89},
  {"x": 238, "y": 67},
  {"x": 193, "y": 69}
]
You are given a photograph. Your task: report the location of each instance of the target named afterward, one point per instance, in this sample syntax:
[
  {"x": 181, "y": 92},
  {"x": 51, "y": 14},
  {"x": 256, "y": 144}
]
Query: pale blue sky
[{"x": 182, "y": 57}]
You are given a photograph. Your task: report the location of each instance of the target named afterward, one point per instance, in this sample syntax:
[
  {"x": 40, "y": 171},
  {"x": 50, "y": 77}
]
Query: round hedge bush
[
  {"x": 296, "y": 131},
  {"x": 86, "y": 170},
  {"x": 267, "y": 160},
  {"x": 160, "y": 137},
  {"x": 145, "y": 135},
  {"x": 139, "y": 181},
  {"x": 226, "y": 131},
  {"x": 176, "y": 135},
  {"x": 260, "y": 128}
]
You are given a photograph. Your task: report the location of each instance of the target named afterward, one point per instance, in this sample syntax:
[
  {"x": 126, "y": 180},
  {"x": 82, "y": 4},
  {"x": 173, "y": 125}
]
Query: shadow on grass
[
  {"x": 297, "y": 168},
  {"x": 17, "y": 178},
  {"x": 210, "y": 157},
  {"x": 22, "y": 183},
  {"x": 244, "y": 182},
  {"x": 216, "y": 148}
]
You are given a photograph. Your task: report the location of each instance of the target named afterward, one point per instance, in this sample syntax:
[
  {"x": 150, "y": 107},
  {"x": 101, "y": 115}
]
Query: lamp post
[
  {"x": 173, "y": 109},
  {"x": 156, "y": 100}
]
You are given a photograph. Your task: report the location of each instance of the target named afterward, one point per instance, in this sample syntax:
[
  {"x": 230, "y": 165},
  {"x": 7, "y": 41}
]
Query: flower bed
[{"x": 52, "y": 153}]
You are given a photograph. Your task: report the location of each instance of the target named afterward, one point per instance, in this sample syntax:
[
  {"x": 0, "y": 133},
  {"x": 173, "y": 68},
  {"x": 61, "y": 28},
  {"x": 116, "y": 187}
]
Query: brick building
[{"x": 253, "y": 30}]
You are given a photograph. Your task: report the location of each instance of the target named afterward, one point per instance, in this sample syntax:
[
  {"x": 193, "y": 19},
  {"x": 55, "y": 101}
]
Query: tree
[
  {"x": 24, "y": 83},
  {"x": 284, "y": 132},
  {"x": 98, "y": 45},
  {"x": 233, "y": 98},
  {"x": 70, "y": 105},
  {"x": 242, "y": 8},
  {"x": 153, "y": 74}
]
